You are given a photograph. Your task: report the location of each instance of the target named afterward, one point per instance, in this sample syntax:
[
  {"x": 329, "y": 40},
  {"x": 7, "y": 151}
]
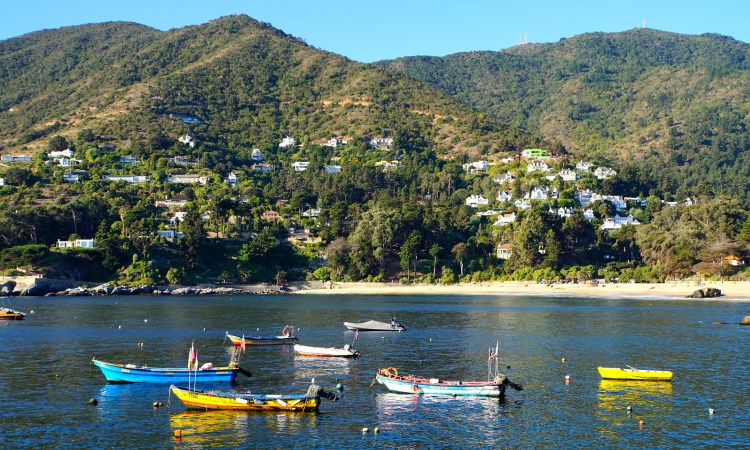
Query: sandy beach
[{"x": 739, "y": 290}]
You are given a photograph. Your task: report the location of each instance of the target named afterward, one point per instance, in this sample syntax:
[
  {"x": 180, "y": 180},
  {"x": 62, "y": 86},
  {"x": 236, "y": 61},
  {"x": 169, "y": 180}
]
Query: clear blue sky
[{"x": 368, "y": 31}]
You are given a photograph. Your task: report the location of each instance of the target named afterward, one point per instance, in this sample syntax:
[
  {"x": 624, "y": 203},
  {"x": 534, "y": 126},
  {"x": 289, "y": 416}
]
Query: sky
[{"x": 368, "y": 31}]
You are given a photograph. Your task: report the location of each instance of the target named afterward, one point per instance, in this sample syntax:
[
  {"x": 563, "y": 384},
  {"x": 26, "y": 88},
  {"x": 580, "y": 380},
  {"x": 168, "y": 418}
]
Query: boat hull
[
  {"x": 373, "y": 325},
  {"x": 263, "y": 340},
  {"x": 616, "y": 373},
  {"x": 120, "y": 373},
  {"x": 306, "y": 350},
  {"x": 245, "y": 402},
  {"x": 12, "y": 316},
  {"x": 422, "y": 386}
]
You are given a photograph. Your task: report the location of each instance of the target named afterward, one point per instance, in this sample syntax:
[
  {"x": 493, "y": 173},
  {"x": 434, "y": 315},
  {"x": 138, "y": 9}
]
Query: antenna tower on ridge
[{"x": 644, "y": 23}]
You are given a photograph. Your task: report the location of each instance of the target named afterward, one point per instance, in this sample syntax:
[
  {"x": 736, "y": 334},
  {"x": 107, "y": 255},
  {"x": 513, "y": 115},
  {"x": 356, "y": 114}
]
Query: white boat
[
  {"x": 374, "y": 325},
  {"x": 346, "y": 352}
]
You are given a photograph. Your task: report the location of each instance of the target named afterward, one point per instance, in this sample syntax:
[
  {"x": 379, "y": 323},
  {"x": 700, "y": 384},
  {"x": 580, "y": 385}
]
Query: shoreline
[{"x": 731, "y": 290}]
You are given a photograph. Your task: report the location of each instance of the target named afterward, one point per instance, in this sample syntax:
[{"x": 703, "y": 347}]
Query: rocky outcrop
[
  {"x": 706, "y": 293},
  {"x": 108, "y": 289},
  {"x": 7, "y": 288}
]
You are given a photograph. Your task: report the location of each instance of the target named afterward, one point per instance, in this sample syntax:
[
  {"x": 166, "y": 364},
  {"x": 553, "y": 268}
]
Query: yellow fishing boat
[
  {"x": 633, "y": 374},
  {"x": 205, "y": 400}
]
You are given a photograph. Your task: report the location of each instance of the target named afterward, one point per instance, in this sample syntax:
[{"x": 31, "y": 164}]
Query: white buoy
[
  {"x": 630, "y": 409},
  {"x": 145, "y": 320},
  {"x": 711, "y": 411},
  {"x": 376, "y": 430},
  {"x": 365, "y": 430},
  {"x": 567, "y": 378},
  {"x": 119, "y": 327}
]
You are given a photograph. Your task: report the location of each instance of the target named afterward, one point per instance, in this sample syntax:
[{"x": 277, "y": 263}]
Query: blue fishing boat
[
  {"x": 494, "y": 386},
  {"x": 132, "y": 373}
]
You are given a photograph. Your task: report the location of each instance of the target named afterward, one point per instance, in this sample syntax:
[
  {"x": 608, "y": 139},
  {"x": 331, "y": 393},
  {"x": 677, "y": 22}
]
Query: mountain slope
[
  {"x": 599, "y": 92},
  {"x": 247, "y": 82}
]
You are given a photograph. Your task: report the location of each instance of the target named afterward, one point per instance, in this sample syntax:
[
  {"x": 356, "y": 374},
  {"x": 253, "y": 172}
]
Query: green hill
[
  {"x": 248, "y": 83},
  {"x": 678, "y": 102}
]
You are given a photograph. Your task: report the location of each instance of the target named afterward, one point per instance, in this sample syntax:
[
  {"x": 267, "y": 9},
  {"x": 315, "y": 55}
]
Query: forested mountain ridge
[
  {"x": 676, "y": 102},
  {"x": 247, "y": 82}
]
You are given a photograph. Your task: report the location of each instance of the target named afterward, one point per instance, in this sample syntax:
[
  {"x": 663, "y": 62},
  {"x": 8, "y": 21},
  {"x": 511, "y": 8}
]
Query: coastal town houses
[
  {"x": 538, "y": 193},
  {"x": 505, "y": 219},
  {"x": 311, "y": 213},
  {"x": 300, "y": 166},
  {"x": 387, "y": 166},
  {"x": 129, "y": 159},
  {"x": 72, "y": 177},
  {"x": 565, "y": 174},
  {"x": 332, "y": 169},
  {"x": 169, "y": 234},
  {"x": 187, "y": 140},
  {"x": 524, "y": 204},
  {"x": 603, "y": 173},
  {"x": 67, "y": 153},
  {"x": 584, "y": 166},
  {"x": 188, "y": 179},
  {"x": 2, "y": 181},
  {"x": 504, "y": 196},
  {"x": 617, "y": 222},
  {"x": 506, "y": 177},
  {"x": 257, "y": 155},
  {"x": 534, "y": 153},
  {"x": 476, "y": 167},
  {"x": 504, "y": 251},
  {"x": 231, "y": 179},
  {"x": 127, "y": 178},
  {"x": 16, "y": 158},
  {"x": 78, "y": 243},
  {"x": 287, "y": 142},
  {"x": 476, "y": 200},
  {"x": 177, "y": 201},
  {"x": 262, "y": 168},
  {"x": 537, "y": 166},
  {"x": 588, "y": 214},
  {"x": 381, "y": 142},
  {"x": 271, "y": 216},
  {"x": 334, "y": 142},
  {"x": 562, "y": 212}
]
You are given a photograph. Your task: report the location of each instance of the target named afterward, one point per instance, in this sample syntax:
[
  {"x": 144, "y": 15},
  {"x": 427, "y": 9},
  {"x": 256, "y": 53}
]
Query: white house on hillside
[
  {"x": 565, "y": 174},
  {"x": 257, "y": 155},
  {"x": 300, "y": 166},
  {"x": 476, "y": 166},
  {"x": 505, "y": 219},
  {"x": 287, "y": 142},
  {"x": 617, "y": 222},
  {"x": 583, "y": 166},
  {"x": 476, "y": 200},
  {"x": 504, "y": 178},
  {"x": 78, "y": 243},
  {"x": 535, "y": 166},
  {"x": 603, "y": 173},
  {"x": 503, "y": 196}
]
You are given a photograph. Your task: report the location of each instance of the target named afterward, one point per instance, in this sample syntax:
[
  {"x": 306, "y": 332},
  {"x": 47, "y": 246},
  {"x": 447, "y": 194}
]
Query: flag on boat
[
  {"x": 242, "y": 344},
  {"x": 192, "y": 357},
  {"x": 356, "y": 334}
]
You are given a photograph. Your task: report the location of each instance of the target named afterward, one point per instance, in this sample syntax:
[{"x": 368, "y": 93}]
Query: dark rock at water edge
[
  {"x": 706, "y": 293},
  {"x": 7, "y": 287}
]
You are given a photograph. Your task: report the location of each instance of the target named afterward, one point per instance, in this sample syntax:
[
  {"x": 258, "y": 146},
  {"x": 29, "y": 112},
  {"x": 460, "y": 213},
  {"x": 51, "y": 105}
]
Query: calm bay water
[{"x": 46, "y": 375}]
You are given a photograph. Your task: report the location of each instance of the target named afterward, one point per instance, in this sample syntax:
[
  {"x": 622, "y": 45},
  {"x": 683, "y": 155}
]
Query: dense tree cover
[
  {"x": 674, "y": 104},
  {"x": 235, "y": 84}
]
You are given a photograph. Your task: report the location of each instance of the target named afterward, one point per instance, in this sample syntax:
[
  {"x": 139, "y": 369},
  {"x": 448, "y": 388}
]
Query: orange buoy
[{"x": 177, "y": 434}]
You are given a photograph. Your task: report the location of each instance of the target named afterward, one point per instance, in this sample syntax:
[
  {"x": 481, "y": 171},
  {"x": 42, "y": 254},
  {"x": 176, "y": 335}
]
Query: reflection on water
[
  {"x": 211, "y": 428},
  {"x": 615, "y": 396},
  {"x": 307, "y": 367},
  {"x": 233, "y": 428},
  {"x": 397, "y": 412}
]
